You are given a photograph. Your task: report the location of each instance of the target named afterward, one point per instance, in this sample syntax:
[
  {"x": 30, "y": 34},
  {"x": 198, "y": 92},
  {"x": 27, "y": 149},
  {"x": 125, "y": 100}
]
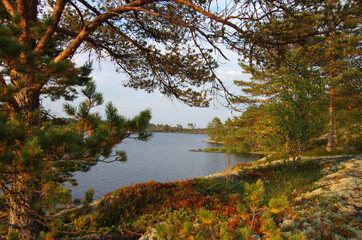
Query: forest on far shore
[{"x": 191, "y": 128}]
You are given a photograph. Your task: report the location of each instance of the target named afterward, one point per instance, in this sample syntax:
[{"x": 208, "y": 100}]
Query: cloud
[
  {"x": 80, "y": 60},
  {"x": 232, "y": 75}
]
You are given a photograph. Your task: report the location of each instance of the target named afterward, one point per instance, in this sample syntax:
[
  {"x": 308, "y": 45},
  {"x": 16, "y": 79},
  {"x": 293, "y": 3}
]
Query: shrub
[{"x": 251, "y": 218}]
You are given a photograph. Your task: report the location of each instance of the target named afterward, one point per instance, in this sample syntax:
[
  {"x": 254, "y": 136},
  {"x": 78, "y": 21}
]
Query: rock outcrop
[{"x": 344, "y": 183}]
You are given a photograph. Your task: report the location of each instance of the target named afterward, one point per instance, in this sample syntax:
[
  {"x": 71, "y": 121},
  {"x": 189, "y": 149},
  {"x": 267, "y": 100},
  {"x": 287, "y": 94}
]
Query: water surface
[{"x": 165, "y": 157}]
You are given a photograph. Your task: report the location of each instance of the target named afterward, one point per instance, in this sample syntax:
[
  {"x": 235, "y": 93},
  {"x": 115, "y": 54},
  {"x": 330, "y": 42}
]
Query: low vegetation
[
  {"x": 253, "y": 205},
  {"x": 226, "y": 150},
  {"x": 279, "y": 179}
]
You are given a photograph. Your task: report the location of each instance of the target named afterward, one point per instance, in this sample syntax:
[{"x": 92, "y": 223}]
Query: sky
[{"x": 130, "y": 102}]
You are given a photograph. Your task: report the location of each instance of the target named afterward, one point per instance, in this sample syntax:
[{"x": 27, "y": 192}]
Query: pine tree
[
  {"x": 215, "y": 129},
  {"x": 241, "y": 131},
  {"x": 332, "y": 55}
]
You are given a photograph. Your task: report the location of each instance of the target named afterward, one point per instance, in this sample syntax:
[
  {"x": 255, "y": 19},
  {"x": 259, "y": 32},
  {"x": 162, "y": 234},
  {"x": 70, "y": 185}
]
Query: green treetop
[{"x": 215, "y": 129}]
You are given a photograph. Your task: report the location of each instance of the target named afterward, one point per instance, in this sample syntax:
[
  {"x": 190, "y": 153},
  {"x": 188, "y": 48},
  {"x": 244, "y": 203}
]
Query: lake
[{"x": 165, "y": 157}]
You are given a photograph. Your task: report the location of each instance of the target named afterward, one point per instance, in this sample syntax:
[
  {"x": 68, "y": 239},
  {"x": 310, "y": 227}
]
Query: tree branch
[
  {"x": 93, "y": 25},
  {"x": 96, "y": 44},
  {"x": 28, "y": 11},
  {"x": 57, "y": 14},
  {"x": 10, "y": 8},
  {"x": 214, "y": 17},
  {"x": 79, "y": 13}
]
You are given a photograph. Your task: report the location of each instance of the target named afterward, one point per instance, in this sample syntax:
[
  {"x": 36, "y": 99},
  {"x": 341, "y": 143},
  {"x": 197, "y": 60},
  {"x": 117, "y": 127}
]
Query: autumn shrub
[
  {"x": 253, "y": 217},
  {"x": 144, "y": 204}
]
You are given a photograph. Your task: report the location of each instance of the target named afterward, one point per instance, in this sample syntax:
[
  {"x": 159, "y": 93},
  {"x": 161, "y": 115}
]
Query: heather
[{"x": 265, "y": 201}]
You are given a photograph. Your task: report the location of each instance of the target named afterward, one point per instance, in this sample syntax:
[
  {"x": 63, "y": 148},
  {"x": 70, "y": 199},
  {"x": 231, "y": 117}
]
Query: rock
[
  {"x": 255, "y": 237},
  {"x": 347, "y": 147},
  {"x": 345, "y": 184},
  {"x": 151, "y": 234},
  {"x": 196, "y": 150},
  {"x": 287, "y": 223}
]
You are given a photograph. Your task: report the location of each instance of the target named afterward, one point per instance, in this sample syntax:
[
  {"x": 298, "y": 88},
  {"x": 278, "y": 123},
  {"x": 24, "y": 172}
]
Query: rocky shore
[
  {"x": 334, "y": 202},
  {"x": 335, "y": 199},
  {"x": 343, "y": 181}
]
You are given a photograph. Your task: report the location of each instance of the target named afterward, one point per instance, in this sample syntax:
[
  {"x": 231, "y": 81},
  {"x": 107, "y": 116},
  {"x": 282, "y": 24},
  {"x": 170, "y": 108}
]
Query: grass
[
  {"x": 323, "y": 152},
  {"x": 225, "y": 150},
  {"x": 279, "y": 179}
]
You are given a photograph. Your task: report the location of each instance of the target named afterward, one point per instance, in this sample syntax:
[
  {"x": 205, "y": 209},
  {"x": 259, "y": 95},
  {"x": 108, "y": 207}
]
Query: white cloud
[
  {"x": 79, "y": 59},
  {"x": 232, "y": 75}
]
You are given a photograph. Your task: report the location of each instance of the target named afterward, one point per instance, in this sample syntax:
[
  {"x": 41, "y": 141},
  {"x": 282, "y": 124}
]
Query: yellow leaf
[{"x": 274, "y": 210}]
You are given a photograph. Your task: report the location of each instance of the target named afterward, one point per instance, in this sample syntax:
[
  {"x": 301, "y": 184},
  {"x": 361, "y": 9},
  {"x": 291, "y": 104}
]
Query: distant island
[{"x": 191, "y": 128}]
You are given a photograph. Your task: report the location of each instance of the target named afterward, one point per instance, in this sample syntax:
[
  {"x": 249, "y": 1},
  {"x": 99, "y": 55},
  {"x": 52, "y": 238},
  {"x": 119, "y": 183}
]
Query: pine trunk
[
  {"x": 24, "y": 217},
  {"x": 332, "y": 99},
  {"x": 349, "y": 112},
  {"x": 27, "y": 99}
]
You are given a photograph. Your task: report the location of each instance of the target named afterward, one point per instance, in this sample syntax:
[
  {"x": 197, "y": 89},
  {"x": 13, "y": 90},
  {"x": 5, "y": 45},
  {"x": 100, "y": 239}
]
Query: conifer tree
[
  {"x": 241, "y": 131},
  {"x": 332, "y": 55},
  {"x": 215, "y": 129}
]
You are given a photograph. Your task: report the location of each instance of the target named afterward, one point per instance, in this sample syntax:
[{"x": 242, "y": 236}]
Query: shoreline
[
  {"x": 218, "y": 151},
  {"x": 341, "y": 181},
  {"x": 214, "y": 142}
]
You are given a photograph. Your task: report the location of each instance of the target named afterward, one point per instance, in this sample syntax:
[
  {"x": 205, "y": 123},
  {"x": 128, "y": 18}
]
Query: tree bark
[
  {"x": 27, "y": 98},
  {"x": 349, "y": 112},
  {"x": 24, "y": 216},
  {"x": 332, "y": 99}
]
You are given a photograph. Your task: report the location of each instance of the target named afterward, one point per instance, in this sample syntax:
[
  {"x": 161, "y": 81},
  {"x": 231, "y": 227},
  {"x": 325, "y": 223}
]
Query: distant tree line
[{"x": 176, "y": 129}]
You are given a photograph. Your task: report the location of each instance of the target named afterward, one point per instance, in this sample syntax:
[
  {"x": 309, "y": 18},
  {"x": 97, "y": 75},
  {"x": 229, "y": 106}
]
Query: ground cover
[
  {"x": 279, "y": 179},
  {"x": 139, "y": 206},
  {"x": 225, "y": 150},
  {"x": 221, "y": 207}
]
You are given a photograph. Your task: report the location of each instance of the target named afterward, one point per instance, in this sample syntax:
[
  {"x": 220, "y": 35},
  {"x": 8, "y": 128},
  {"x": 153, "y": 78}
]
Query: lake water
[{"x": 165, "y": 157}]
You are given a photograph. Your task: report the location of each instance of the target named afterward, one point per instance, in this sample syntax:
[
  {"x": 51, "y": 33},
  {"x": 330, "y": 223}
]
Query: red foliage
[
  {"x": 233, "y": 224},
  {"x": 152, "y": 197}
]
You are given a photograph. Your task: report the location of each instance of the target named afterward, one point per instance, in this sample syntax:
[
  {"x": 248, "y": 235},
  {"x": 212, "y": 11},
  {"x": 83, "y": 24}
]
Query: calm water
[{"x": 165, "y": 157}]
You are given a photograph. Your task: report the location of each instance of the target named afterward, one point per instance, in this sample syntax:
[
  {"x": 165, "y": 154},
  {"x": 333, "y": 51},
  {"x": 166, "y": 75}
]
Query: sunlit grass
[{"x": 280, "y": 179}]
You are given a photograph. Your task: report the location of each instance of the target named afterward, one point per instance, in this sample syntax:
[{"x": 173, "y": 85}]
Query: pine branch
[
  {"x": 93, "y": 25},
  {"x": 9, "y": 7},
  {"x": 57, "y": 14}
]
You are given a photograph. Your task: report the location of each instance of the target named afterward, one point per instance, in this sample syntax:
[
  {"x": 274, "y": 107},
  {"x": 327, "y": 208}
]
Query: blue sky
[{"x": 129, "y": 102}]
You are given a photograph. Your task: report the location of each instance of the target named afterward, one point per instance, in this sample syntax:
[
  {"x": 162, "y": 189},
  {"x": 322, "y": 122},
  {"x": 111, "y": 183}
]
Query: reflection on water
[{"x": 166, "y": 157}]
